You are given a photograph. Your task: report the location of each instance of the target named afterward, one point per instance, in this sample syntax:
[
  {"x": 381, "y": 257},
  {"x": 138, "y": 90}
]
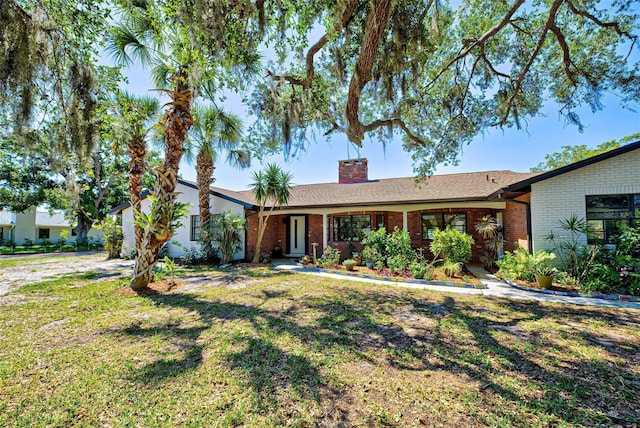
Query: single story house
[
  {"x": 337, "y": 214},
  {"x": 36, "y": 224},
  {"x": 187, "y": 235},
  {"x": 604, "y": 190}
]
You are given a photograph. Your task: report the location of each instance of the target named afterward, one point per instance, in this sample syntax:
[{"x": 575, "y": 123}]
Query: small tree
[
  {"x": 272, "y": 185},
  {"x": 113, "y": 236},
  {"x": 227, "y": 227}
]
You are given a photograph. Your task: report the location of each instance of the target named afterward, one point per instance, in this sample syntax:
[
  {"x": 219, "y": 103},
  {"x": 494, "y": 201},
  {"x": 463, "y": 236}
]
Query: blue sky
[{"x": 512, "y": 149}]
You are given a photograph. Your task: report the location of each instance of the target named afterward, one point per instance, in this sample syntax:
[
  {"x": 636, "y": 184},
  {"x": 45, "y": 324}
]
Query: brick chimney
[{"x": 353, "y": 171}]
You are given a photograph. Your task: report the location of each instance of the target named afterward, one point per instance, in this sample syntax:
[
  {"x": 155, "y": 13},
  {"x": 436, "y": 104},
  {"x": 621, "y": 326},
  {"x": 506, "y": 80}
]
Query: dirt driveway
[{"x": 37, "y": 268}]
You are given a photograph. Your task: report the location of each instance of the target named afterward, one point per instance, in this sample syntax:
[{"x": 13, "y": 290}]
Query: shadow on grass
[{"x": 411, "y": 334}]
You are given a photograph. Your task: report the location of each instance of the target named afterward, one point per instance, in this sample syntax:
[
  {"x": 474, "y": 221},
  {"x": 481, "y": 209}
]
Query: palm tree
[
  {"x": 136, "y": 114},
  {"x": 271, "y": 185},
  {"x": 142, "y": 35},
  {"x": 215, "y": 131}
]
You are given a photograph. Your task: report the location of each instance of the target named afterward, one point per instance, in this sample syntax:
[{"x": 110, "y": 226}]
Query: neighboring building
[
  {"x": 36, "y": 225},
  {"x": 604, "y": 190},
  {"x": 337, "y": 214}
]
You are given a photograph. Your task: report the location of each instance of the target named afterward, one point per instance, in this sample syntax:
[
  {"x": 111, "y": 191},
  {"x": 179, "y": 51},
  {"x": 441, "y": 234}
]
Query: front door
[{"x": 297, "y": 241}]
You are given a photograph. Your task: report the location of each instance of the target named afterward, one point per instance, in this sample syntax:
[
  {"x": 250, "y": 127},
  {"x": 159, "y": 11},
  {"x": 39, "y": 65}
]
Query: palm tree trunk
[
  {"x": 204, "y": 168},
  {"x": 137, "y": 149},
  {"x": 176, "y": 124}
]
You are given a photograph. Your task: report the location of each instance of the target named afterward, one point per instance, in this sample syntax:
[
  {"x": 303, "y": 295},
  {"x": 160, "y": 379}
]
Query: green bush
[
  {"x": 516, "y": 265},
  {"x": 524, "y": 266},
  {"x": 349, "y": 263},
  {"x": 452, "y": 245},
  {"x": 418, "y": 269},
  {"x": 376, "y": 242},
  {"x": 330, "y": 257},
  {"x": 227, "y": 227},
  {"x": 399, "y": 252}
]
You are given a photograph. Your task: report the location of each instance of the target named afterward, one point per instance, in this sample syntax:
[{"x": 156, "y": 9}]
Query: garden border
[
  {"x": 394, "y": 279},
  {"x": 617, "y": 297}
]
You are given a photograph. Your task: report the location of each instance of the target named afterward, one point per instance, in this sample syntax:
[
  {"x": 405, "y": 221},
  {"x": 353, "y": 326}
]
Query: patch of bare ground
[
  {"x": 40, "y": 268},
  {"x": 194, "y": 283}
]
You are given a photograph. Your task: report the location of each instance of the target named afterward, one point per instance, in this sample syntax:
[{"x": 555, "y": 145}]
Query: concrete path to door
[{"x": 495, "y": 288}]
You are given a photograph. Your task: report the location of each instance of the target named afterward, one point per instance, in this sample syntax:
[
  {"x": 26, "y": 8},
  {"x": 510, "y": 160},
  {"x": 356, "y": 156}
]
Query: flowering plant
[
  {"x": 306, "y": 259},
  {"x": 371, "y": 254}
]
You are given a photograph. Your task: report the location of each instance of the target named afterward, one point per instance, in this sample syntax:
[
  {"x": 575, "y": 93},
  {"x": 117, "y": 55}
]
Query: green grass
[{"x": 268, "y": 348}]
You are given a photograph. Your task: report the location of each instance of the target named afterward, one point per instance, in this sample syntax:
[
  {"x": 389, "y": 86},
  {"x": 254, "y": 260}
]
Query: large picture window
[
  {"x": 606, "y": 214},
  {"x": 350, "y": 227},
  {"x": 433, "y": 221},
  {"x": 195, "y": 227}
]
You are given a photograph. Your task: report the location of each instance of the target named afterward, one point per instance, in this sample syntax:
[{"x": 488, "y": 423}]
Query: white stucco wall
[
  {"x": 25, "y": 226},
  {"x": 557, "y": 198},
  {"x": 183, "y": 233}
]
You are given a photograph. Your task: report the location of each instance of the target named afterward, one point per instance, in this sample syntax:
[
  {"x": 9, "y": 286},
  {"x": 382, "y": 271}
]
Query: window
[
  {"x": 379, "y": 221},
  {"x": 433, "y": 221},
  {"x": 606, "y": 213},
  {"x": 43, "y": 233},
  {"x": 1, "y": 234},
  {"x": 195, "y": 227},
  {"x": 350, "y": 227}
]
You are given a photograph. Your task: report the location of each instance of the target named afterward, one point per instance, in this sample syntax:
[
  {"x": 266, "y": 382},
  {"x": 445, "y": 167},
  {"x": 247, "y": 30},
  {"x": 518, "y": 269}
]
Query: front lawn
[{"x": 259, "y": 347}]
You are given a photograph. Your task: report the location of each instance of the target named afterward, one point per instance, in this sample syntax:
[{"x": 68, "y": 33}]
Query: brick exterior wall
[
  {"x": 353, "y": 171},
  {"x": 276, "y": 235},
  {"x": 557, "y": 198},
  {"x": 514, "y": 219}
]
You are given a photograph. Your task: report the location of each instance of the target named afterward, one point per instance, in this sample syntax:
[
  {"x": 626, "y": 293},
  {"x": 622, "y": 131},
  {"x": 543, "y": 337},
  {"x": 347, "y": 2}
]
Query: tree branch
[
  {"x": 566, "y": 57},
  {"x": 391, "y": 122},
  {"x": 347, "y": 16},
  {"x": 543, "y": 35},
  {"x": 472, "y": 43},
  {"x": 598, "y": 22}
]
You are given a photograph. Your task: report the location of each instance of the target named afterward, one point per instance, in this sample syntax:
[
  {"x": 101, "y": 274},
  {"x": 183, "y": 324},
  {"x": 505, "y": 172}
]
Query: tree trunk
[
  {"x": 83, "y": 227},
  {"x": 377, "y": 20},
  {"x": 262, "y": 226},
  {"x": 204, "y": 169},
  {"x": 176, "y": 124},
  {"x": 137, "y": 148}
]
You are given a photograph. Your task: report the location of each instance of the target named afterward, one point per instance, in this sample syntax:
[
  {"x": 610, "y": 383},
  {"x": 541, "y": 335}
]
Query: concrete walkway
[{"x": 495, "y": 287}]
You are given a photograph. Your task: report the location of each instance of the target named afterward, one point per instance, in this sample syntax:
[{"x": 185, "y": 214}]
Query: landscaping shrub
[
  {"x": 418, "y": 269},
  {"x": 452, "y": 245},
  {"x": 399, "y": 252},
  {"x": 516, "y": 265},
  {"x": 113, "y": 236},
  {"x": 376, "y": 242},
  {"x": 330, "y": 257},
  {"x": 227, "y": 227},
  {"x": 191, "y": 256}
]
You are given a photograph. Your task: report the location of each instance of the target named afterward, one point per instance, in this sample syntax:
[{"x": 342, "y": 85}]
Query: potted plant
[
  {"x": 543, "y": 270},
  {"x": 358, "y": 258},
  {"x": 305, "y": 260},
  {"x": 349, "y": 264}
]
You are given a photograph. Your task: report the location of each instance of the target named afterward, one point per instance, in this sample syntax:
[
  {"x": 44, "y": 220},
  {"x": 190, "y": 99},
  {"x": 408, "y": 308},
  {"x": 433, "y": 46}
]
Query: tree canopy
[
  {"x": 439, "y": 73},
  {"x": 572, "y": 154}
]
